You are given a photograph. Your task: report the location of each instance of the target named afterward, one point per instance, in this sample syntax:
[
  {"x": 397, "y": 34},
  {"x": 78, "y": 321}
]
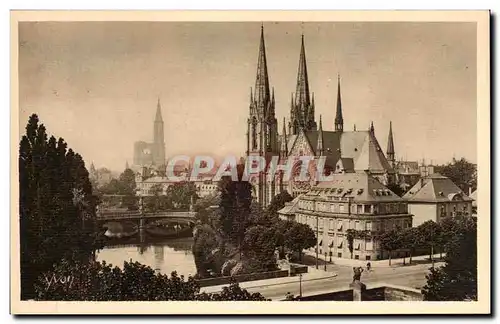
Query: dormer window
[
  {"x": 360, "y": 191},
  {"x": 339, "y": 190}
]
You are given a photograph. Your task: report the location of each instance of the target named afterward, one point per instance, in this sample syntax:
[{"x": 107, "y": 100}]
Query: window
[
  {"x": 340, "y": 240},
  {"x": 339, "y": 225},
  {"x": 368, "y": 258},
  {"x": 367, "y": 209},
  {"x": 321, "y": 222},
  {"x": 331, "y": 225},
  {"x": 368, "y": 226},
  {"x": 369, "y": 245},
  {"x": 339, "y": 255},
  {"x": 357, "y": 245},
  {"x": 360, "y": 209},
  {"x": 356, "y": 257},
  {"x": 358, "y": 226},
  {"x": 341, "y": 208}
]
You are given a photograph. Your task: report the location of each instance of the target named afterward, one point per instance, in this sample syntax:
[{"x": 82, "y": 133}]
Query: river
[{"x": 164, "y": 256}]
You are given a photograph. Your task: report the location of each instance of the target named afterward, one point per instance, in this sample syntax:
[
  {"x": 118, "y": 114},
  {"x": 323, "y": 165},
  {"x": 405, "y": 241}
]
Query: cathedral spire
[
  {"x": 284, "y": 141},
  {"x": 262, "y": 79},
  {"x": 302, "y": 91},
  {"x": 390, "y": 145},
  {"x": 320, "y": 148},
  {"x": 339, "y": 119},
  {"x": 372, "y": 129},
  {"x": 158, "y": 117},
  {"x": 354, "y": 127}
]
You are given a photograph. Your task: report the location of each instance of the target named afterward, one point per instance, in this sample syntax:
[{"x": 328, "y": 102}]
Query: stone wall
[{"x": 242, "y": 278}]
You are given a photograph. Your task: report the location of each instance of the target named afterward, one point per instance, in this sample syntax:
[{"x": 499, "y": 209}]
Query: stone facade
[{"x": 351, "y": 201}]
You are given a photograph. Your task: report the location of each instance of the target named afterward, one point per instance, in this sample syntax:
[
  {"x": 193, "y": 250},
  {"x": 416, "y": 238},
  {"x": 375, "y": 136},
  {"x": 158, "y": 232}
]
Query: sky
[{"x": 96, "y": 84}]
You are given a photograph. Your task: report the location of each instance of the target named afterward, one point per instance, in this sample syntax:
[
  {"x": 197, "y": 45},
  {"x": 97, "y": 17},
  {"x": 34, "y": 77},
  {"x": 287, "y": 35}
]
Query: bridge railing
[{"x": 134, "y": 214}]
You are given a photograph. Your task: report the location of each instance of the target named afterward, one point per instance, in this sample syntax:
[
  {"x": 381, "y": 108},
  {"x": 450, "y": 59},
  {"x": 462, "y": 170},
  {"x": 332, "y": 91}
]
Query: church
[
  {"x": 346, "y": 151},
  {"x": 151, "y": 154}
]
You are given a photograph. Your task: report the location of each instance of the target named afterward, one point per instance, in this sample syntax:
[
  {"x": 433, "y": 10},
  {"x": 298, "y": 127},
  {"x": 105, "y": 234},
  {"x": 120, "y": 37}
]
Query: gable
[{"x": 301, "y": 146}]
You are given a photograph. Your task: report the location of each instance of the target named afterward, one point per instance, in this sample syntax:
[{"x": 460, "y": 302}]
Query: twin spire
[{"x": 262, "y": 93}]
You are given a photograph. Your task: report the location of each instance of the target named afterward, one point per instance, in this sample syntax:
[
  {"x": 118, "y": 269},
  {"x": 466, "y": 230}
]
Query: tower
[
  {"x": 262, "y": 128},
  {"x": 339, "y": 119},
  {"x": 158, "y": 151},
  {"x": 302, "y": 108},
  {"x": 320, "y": 150},
  {"x": 390, "y": 146}
]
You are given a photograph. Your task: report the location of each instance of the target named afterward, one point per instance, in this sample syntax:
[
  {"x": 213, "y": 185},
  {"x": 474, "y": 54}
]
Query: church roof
[
  {"x": 361, "y": 146},
  {"x": 435, "y": 188}
]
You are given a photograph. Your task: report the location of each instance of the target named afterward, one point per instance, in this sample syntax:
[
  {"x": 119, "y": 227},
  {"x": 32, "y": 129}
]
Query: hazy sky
[{"x": 96, "y": 84}]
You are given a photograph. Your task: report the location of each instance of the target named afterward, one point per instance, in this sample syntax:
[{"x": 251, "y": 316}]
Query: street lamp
[
  {"x": 317, "y": 240},
  {"x": 325, "y": 261},
  {"x": 300, "y": 285}
]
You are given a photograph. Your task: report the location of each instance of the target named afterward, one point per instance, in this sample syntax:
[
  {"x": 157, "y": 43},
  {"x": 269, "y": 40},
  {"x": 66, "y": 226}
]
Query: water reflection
[{"x": 163, "y": 256}]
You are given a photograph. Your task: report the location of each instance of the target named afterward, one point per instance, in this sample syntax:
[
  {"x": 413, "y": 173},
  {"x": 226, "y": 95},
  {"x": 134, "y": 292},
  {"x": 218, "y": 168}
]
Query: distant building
[
  {"x": 473, "y": 196},
  {"x": 408, "y": 173},
  {"x": 101, "y": 176},
  {"x": 435, "y": 197},
  {"x": 146, "y": 154},
  {"x": 148, "y": 178},
  {"x": 351, "y": 201}
]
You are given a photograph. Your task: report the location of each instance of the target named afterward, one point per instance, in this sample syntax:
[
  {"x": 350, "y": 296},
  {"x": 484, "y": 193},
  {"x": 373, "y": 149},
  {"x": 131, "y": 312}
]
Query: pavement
[{"x": 335, "y": 277}]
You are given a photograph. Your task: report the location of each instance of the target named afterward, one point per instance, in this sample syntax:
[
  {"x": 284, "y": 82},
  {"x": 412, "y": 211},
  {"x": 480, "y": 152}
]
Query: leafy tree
[
  {"x": 390, "y": 241},
  {"x": 56, "y": 205},
  {"x": 457, "y": 279},
  {"x": 204, "y": 245},
  {"x": 181, "y": 194},
  {"x": 259, "y": 245},
  {"x": 411, "y": 239},
  {"x": 299, "y": 237},
  {"x": 396, "y": 189},
  {"x": 461, "y": 172},
  {"x": 97, "y": 281},
  {"x": 278, "y": 202},
  {"x": 430, "y": 232}
]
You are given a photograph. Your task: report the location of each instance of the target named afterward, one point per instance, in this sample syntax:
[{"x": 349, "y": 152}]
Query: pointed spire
[
  {"x": 272, "y": 96},
  {"x": 320, "y": 148},
  {"x": 372, "y": 129},
  {"x": 354, "y": 127},
  {"x": 262, "y": 79},
  {"x": 251, "y": 94},
  {"x": 390, "y": 144},
  {"x": 284, "y": 140},
  {"x": 126, "y": 165},
  {"x": 158, "y": 117},
  {"x": 339, "y": 119},
  {"x": 302, "y": 91}
]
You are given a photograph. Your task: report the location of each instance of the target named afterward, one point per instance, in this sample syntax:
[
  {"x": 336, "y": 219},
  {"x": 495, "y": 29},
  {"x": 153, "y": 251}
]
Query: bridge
[{"x": 118, "y": 215}]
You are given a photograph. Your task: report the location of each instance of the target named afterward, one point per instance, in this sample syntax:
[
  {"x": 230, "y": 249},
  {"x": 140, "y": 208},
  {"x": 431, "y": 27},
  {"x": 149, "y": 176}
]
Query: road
[{"x": 409, "y": 276}]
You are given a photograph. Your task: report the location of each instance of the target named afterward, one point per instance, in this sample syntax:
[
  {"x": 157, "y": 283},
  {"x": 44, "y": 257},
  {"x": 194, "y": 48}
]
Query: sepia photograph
[{"x": 177, "y": 161}]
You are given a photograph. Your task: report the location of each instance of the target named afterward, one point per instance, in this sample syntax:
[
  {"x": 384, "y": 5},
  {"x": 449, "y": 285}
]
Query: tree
[
  {"x": 390, "y": 241},
  {"x": 430, "y": 232},
  {"x": 181, "y": 194},
  {"x": 278, "y": 202},
  {"x": 461, "y": 172},
  {"x": 259, "y": 246},
  {"x": 396, "y": 189},
  {"x": 411, "y": 239},
  {"x": 457, "y": 279},
  {"x": 134, "y": 282},
  {"x": 56, "y": 205},
  {"x": 299, "y": 237}
]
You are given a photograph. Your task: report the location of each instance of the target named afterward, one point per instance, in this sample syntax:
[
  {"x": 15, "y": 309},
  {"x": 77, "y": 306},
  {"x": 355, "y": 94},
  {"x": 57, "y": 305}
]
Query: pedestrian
[{"x": 368, "y": 266}]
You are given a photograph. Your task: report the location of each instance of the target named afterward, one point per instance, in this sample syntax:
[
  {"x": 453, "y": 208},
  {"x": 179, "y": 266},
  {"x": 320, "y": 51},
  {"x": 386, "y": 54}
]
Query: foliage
[
  {"x": 396, "y": 189},
  {"x": 181, "y": 194},
  {"x": 135, "y": 282},
  {"x": 278, "y": 202},
  {"x": 457, "y": 279},
  {"x": 430, "y": 234},
  {"x": 390, "y": 241},
  {"x": 259, "y": 245},
  {"x": 461, "y": 172},
  {"x": 205, "y": 248},
  {"x": 56, "y": 205},
  {"x": 411, "y": 239},
  {"x": 299, "y": 237}
]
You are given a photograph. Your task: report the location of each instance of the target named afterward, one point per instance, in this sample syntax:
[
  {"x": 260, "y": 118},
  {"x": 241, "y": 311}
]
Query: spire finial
[
  {"x": 339, "y": 119},
  {"x": 158, "y": 117},
  {"x": 354, "y": 127},
  {"x": 390, "y": 145}
]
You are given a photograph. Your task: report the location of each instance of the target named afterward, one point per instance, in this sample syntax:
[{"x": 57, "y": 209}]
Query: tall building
[
  {"x": 345, "y": 151},
  {"x": 152, "y": 154}
]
